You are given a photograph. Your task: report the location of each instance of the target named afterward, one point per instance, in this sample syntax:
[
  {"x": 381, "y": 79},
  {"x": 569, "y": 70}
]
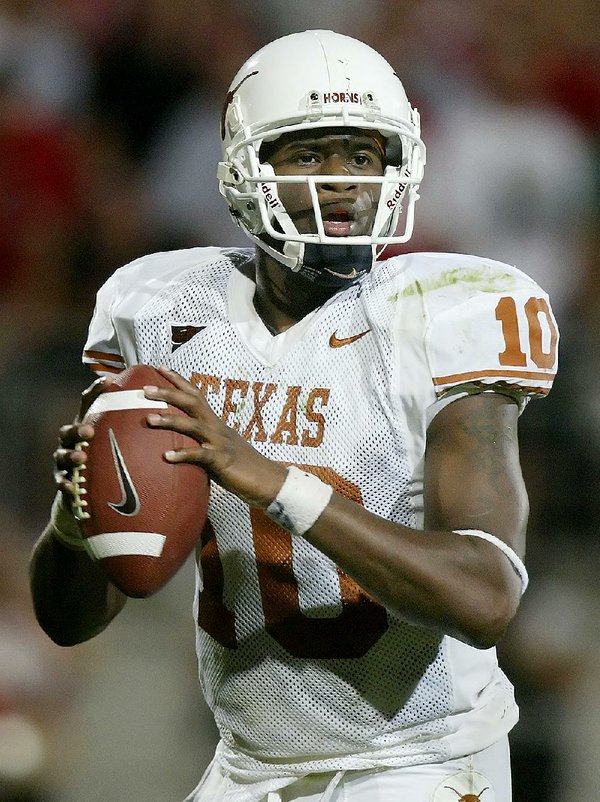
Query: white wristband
[
  {"x": 516, "y": 561},
  {"x": 64, "y": 525},
  {"x": 299, "y": 503}
]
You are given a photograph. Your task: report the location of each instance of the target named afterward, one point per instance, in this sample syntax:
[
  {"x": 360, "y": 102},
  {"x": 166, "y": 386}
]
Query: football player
[{"x": 358, "y": 419}]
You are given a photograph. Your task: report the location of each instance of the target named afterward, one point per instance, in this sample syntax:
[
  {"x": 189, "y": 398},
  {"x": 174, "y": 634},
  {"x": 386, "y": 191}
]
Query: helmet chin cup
[
  {"x": 327, "y": 265},
  {"x": 337, "y": 265},
  {"x": 305, "y": 82}
]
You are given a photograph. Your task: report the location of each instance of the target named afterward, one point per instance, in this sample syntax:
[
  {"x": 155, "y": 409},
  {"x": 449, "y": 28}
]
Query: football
[{"x": 141, "y": 516}]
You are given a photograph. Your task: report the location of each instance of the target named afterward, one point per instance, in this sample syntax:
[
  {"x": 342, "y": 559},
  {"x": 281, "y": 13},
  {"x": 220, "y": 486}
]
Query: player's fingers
[
  {"x": 178, "y": 423},
  {"x": 203, "y": 455},
  {"x": 73, "y": 433},
  {"x": 176, "y": 379},
  {"x": 62, "y": 481},
  {"x": 183, "y": 390},
  {"x": 188, "y": 399},
  {"x": 65, "y": 459}
]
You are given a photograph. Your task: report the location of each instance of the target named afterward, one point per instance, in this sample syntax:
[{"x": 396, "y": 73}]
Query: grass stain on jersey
[{"x": 485, "y": 279}]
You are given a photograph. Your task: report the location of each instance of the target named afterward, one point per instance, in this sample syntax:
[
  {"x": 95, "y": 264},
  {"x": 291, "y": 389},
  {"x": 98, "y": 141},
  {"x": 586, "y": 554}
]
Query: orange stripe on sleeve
[
  {"x": 102, "y": 355},
  {"x": 501, "y": 374},
  {"x": 526, "y": 390}
]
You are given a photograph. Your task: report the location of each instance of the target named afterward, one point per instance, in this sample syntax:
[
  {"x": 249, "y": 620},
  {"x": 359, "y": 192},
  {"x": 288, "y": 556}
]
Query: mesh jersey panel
[{"x": 300, "y": 666}]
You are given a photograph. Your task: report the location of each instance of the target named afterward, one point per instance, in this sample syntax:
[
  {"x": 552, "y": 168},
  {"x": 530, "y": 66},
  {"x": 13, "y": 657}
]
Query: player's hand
[
  {"x": 228, "y": 458},
  {"x": 68, "y": 455}
]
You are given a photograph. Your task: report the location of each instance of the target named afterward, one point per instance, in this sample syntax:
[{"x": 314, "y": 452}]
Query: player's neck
[{"x": 282, "y": 297}]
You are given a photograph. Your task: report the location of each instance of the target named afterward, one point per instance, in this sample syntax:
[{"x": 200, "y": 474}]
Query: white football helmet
[{"x": 311, "y": 80}]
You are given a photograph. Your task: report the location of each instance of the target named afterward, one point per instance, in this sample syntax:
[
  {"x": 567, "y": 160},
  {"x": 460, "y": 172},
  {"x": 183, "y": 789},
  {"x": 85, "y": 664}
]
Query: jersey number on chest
[{"x": 350, "y": 634}]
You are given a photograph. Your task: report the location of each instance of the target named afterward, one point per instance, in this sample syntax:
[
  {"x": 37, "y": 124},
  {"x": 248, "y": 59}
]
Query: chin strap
[
  {"x": 337, "y": 265},
  {"x": 327, "y": 265}
]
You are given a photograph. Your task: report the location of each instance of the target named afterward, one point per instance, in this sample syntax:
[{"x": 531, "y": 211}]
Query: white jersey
[{"x": 303, "y": 670}]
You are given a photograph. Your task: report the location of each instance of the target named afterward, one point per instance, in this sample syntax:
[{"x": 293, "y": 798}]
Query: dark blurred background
[{"x": 108, "y": 147}]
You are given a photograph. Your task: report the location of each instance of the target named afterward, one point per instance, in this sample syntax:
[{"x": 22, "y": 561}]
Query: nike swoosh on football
[
  {"x": 130, "y": 501},
  {"x": 335, "y": 342}
]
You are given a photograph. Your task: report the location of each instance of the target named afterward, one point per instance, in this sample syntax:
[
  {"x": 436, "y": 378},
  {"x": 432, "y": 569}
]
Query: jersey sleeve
[
  {"x": 495, "y": 339},
  {"x": 103, "y": 353},
  {"x": 111, "y": 345}
]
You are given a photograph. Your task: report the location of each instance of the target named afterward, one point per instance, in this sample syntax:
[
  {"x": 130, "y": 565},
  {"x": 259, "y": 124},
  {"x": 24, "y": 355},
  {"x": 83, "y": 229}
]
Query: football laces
[{"x": 78, "y": 479}]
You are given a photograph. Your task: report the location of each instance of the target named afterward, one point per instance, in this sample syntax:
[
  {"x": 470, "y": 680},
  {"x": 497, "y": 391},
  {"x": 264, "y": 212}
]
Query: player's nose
[{"x": 338, "y": 166}]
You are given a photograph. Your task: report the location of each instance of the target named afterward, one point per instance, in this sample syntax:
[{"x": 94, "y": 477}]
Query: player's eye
[
  {"x": 308, "y": 158},
  {"x": 361, "y": 160}
]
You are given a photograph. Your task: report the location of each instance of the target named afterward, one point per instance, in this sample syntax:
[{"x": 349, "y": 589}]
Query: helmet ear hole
[
  {"x": 267, "y": 149},
  {"x": 393, "y": 151}
]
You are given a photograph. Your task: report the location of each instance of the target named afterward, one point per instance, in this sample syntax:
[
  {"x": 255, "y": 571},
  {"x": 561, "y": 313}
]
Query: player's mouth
[{"x": 338, "y": 222}]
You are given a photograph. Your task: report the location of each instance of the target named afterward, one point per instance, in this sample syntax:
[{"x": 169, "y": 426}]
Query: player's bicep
[{"x": 472, "y": 477}]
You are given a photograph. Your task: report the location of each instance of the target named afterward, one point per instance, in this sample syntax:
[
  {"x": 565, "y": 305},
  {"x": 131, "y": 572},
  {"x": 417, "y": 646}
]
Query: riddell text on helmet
[{"x": 269, "y": 197}]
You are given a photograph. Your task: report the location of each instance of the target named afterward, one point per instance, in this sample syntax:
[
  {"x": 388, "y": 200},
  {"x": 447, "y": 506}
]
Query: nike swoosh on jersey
[
  {"x": 335, "y": 342},
  {"x": 130, "y": 501}
]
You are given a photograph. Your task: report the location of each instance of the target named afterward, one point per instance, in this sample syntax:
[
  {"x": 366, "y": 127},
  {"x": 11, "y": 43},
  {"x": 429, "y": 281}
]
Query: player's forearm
[
  {"x": 72, "y": 596},
  {"x": 436, "y": 579}
]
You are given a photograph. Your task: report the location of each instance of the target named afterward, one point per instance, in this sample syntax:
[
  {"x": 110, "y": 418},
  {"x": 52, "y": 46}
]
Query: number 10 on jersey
[{"x": 539, "y": 317}]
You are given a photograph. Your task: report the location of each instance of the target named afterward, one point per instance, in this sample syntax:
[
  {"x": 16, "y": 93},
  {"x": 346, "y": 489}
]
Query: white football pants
[{"x": 481, "y": 777}]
